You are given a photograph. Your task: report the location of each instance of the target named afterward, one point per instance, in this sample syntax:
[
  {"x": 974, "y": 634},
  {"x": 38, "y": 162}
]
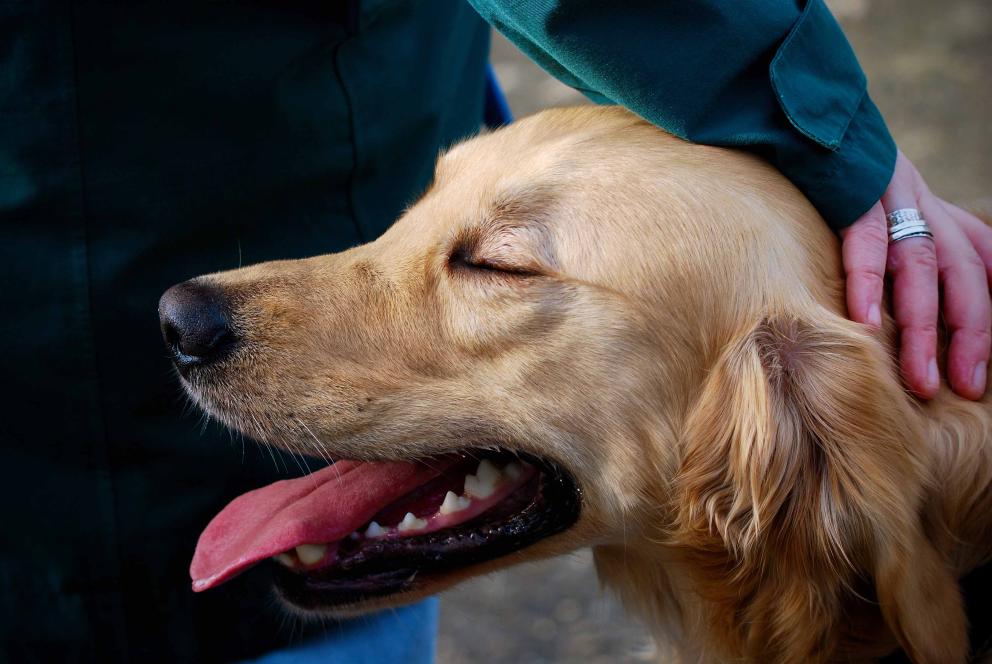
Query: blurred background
[{"x": 929, "y": 66}]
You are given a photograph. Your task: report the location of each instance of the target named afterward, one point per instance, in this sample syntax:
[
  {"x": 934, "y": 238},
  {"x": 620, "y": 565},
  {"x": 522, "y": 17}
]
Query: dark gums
[{"x": 548, "y": 505}]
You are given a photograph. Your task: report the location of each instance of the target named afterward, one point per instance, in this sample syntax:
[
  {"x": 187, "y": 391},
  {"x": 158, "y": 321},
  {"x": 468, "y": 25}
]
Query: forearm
[{"x": 769, "y": 76}]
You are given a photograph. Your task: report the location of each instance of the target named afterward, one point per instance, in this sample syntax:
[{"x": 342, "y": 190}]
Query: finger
[
  {"x": 913, "y": 265},
  {"x": 967, "y": 308},
  {"x": 864, "y": 249},
  {"x": 977, "y": 231}
]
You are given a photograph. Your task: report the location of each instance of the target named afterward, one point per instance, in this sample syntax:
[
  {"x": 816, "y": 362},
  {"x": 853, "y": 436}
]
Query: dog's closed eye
[{"x": 465, "y": 257}]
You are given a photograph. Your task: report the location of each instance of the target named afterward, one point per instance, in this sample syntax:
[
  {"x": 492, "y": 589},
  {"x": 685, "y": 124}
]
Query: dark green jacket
[
  {"x": 776, "y": 77},
  {"x": 142, "y": 144}
]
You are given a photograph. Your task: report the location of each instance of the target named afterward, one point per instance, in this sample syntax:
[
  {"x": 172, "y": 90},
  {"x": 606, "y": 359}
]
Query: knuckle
[
  {"x": 919, "y": 257},
  {"x": 964, "y": 266},
  {"x": 924, "y": 259},
  {"x": 981, "y": 337},
  {"x": 974, "y": 262},
  {"x": 982, "y": 230},
  {"x": 867, "y": 274},
  {"x": 871, "y": 235},
  {"x": 972, "y": 342},
  {"x": 926, "y": 333}
]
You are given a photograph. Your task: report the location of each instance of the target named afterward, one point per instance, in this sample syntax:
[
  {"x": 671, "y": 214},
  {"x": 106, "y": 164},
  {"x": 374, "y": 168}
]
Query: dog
[{"x": 590, "y": 333}]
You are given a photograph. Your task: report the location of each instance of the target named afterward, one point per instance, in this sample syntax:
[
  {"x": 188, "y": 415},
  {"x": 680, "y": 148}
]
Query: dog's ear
[{"x": 801, "y": 481}]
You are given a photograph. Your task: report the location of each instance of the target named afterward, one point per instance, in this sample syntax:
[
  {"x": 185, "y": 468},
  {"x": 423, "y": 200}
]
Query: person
[{"x": 142, "y": 145}]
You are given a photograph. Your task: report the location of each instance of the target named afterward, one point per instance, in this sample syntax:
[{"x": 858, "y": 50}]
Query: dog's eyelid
[{"x": 465, "y": 256}]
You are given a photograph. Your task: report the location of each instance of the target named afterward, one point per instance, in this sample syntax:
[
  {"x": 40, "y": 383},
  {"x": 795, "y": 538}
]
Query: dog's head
[{"x": 586, "y": 332}]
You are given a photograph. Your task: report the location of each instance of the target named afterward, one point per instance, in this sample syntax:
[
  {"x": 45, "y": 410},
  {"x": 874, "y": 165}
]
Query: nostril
[
  {"x": 170, "y": 334},
  {"x": 206, "y": 344},
  {"x": 195, "y": 323}
]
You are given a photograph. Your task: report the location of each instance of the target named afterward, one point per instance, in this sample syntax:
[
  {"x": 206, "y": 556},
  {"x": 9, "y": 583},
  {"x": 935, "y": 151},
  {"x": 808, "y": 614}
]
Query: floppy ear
[{"x": 802, "y": 477}]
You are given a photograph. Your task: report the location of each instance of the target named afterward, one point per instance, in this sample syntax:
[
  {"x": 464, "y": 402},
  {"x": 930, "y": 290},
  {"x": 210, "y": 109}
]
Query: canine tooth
[
  {"x": 374, "y": 530},
  {"x": 450, "y": 503},
  {"x": 410, "y": 522},
  {"x": 513, "y": 470},
  {"x": 285, "y": 559},
  {"x": 310, "y": 554},
  {"x": 488, "y": 473},
  {"x": 478, "y": 488},
  {"x": 453, "y": 503}
]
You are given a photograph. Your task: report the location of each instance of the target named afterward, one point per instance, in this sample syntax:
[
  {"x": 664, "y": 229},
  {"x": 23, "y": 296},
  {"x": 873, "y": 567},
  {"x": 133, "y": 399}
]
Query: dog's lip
[{"x": 358, "y": 572}]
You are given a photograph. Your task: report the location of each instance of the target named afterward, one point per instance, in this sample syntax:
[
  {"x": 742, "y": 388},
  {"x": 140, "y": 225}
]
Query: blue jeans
[{"x": 399, "y": 635}]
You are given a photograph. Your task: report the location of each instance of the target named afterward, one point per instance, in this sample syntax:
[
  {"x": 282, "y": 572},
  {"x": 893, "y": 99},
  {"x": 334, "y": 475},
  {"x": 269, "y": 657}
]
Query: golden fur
[{"x": 667, "y": 322}]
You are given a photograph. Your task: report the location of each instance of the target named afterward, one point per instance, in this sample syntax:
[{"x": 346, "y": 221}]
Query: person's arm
[
  {"x": 764, "y": 75},
  {"x": 779, "y": 78}
]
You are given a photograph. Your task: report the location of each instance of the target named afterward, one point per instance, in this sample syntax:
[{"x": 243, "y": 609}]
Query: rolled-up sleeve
[{"x": 776, "y": 77}]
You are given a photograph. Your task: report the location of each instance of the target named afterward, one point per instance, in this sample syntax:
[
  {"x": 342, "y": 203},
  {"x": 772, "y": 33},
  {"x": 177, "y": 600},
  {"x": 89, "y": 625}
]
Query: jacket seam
[
  {"x": 784, "y": 105},
  {"x": 119, "y": 608},
  {"x": 352, "y": 181}
]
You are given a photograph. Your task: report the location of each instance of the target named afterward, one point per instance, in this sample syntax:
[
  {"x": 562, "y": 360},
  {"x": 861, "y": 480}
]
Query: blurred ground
[{"x": 929, "y": 63}]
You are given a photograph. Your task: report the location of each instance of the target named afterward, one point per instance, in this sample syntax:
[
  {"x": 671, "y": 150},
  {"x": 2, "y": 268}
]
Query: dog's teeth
[
  {"x": 311, "y": 554},
  {"x": 513, "y": 470},
  {"x": 479, "y": 489},
  {"x": 488, "y": 473},
  {"x": 410, "y": 522},
  {"x": 453, "y": 503},
  {"x": 285, "y": 559},
  {"x": 374, "y": 530},
  {"x": 450, "y": 504}
]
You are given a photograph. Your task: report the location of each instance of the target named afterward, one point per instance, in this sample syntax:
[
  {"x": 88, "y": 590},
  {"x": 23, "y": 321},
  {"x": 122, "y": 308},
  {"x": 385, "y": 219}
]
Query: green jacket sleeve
[{"x": 777, "y": 77}]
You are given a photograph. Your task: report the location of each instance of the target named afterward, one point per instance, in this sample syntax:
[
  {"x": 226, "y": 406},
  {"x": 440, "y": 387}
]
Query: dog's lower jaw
[{"x": 569, "y": 540}]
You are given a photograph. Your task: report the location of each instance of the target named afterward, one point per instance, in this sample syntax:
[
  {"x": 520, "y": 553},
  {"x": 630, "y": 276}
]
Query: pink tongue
[{"x": 319, "y": 508}]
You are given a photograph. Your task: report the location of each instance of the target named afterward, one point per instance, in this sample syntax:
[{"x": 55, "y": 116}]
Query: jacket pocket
[{"x": 816, "y": 77}]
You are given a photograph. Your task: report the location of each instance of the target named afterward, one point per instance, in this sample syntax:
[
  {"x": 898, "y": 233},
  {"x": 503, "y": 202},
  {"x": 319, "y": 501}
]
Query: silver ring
[{"x": 907, "y": 223}]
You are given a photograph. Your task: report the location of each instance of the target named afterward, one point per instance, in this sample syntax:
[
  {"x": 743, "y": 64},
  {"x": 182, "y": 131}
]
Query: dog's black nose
[{"x": 196, "y": 324}]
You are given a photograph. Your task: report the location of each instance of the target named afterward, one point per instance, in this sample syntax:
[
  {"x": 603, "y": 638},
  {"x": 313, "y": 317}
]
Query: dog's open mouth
[{"x": 359, "y": 530}]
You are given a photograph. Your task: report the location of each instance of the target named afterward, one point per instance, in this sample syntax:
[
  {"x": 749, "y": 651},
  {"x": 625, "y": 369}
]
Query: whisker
[
  {"x": 304, "y": 467},
  {"x": 318, "y": 446}
]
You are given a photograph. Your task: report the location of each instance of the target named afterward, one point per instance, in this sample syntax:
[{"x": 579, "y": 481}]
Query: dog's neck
[
  {"x": 956, "y": 513},
  {"x": 960, "y": 507}
]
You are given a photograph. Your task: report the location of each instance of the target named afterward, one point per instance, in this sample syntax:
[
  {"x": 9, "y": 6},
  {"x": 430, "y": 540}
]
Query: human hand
[{"x": 957, "y": 263}]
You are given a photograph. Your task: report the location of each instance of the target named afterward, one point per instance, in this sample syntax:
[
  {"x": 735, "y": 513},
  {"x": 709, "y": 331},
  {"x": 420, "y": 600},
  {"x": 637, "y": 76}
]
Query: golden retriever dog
[{"x": 588, "y": 333}]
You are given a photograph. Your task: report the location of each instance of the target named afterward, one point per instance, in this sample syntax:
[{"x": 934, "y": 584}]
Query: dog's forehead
[
  {"x": 556, "y": 143},
  {"x": 493, "y": 177},
  {"x": 488, "y": 185}
]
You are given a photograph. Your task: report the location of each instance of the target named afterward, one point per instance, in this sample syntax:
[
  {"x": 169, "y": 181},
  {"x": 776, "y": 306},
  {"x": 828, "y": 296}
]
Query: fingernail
[
  {"x": 874, "y": 315},
  {"x": 933, "y": 376},
  {"x": 978, "y": 378}
]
